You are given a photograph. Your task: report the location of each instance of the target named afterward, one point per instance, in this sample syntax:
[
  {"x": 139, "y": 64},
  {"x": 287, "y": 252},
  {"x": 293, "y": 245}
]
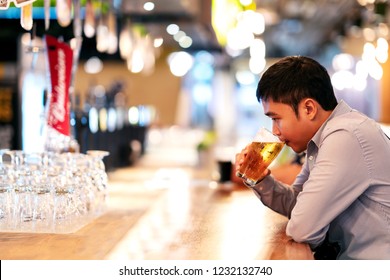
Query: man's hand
[{"x": 244, "y": 163}]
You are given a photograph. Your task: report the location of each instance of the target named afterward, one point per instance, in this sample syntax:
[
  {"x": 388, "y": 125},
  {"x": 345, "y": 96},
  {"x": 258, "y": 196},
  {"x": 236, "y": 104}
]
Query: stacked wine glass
[{"x": 51, "y": 192}]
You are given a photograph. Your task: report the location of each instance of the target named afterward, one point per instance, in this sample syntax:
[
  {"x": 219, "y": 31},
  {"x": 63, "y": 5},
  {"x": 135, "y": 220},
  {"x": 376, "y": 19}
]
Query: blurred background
[{"x": 178, "y": 77}]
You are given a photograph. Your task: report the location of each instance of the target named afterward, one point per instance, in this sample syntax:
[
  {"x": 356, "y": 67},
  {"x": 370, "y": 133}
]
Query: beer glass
[{"x": 260, "y": 153}]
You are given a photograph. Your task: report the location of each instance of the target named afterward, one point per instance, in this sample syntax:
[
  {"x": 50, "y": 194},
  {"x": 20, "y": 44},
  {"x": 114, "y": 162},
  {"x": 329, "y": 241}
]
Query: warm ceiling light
[
  {"x": 126, "y": 43},
  {"x": 93, "y": 65},
  {"x": 149, "y": 6},
  {"x": 179, "y": 35},
  {"x": 245, "y": 2},
  {"x": 158, "y": 42},
  {"x": 185, "y": 42},
  {"x": 180, "y": 63},
  {"x": 343, "y": 61},
  {"x": 172, "y": 29}
]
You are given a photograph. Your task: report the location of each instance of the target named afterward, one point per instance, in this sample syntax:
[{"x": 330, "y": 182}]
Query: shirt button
[{"x": 311, "y": 157}]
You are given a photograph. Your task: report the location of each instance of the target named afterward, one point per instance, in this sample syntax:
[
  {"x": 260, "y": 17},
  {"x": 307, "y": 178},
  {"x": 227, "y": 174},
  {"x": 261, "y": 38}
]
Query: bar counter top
[{"x": 167, "y": 213}]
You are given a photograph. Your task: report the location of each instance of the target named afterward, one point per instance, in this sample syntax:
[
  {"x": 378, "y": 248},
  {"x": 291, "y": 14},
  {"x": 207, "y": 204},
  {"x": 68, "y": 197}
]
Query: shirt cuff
[{"x": 263, "y": 183}]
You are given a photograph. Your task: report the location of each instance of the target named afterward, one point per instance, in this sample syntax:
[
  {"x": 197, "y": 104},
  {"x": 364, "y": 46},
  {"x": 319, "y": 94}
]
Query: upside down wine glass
[{"x": 99, "y": 179}]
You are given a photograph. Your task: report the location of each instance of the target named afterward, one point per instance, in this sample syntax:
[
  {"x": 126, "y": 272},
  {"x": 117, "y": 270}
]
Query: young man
[{"x": 340, "y": 202}]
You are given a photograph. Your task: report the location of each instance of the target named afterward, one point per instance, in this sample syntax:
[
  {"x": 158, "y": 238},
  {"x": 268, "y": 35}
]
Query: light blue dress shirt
[{"x": 343, "y": 188}]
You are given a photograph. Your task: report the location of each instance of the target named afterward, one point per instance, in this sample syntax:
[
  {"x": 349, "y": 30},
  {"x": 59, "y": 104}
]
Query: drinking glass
[
  {"x": 51, "y": 192},
  {"x": 64, "y": 203},
  {"x": 99, "y": 179},
  {"x": 76, "y": 177},
  {"x": 6, "y": 192},
  {"x": 42, "y": 191},
  {"x": 260, "y": 153},
  {"x": 23, "y": 187}
]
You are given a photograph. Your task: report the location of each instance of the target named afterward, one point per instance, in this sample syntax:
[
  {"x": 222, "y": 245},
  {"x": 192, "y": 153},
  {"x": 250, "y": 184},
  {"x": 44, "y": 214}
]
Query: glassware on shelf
[
  {"x": 89, "y": 22},
  {"x": 26, "y": 19},
  {"x": 46, "y": 5},
  {"x": 64, "y": 12}
]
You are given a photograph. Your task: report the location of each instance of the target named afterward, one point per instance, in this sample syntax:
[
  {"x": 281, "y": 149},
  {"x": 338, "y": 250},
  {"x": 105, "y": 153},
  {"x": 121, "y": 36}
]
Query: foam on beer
[{"x": 264, "y": 135}]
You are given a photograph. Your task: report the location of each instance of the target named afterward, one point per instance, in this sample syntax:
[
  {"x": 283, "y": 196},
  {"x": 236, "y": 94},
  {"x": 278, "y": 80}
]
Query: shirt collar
[{"x": 340, "y": 109}]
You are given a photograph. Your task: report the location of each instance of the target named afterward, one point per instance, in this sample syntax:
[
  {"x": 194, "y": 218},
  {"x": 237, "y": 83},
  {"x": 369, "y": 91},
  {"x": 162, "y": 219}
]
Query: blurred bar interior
[
  {"x": 167, "y": 84},
  {"x": 181, "y": 65}
]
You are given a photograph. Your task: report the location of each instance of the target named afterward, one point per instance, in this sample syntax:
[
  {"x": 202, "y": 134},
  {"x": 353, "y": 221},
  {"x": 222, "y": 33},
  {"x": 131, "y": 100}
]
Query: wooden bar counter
[{"x": 167, "y": 213}]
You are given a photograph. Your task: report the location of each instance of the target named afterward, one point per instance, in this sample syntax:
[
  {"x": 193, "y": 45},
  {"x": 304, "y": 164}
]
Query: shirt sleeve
[
  {"x": 339, "y": 175},
  {"x": 278, "y": 196}
]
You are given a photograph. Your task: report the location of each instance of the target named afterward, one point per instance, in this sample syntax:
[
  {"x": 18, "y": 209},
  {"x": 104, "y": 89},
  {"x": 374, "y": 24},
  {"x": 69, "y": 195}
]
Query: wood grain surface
[{"x": 167, "y": 214}]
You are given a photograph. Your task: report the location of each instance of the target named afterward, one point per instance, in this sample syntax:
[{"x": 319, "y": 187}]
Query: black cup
[{"x": 225, "y": 171}]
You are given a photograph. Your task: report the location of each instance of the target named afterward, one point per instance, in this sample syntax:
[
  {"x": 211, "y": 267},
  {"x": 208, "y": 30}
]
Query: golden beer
[{"x": 259, "y": 157}]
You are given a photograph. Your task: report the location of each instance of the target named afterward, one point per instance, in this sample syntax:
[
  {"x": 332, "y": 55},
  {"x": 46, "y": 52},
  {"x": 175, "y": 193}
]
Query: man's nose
[{"x": 275, "y": 130}]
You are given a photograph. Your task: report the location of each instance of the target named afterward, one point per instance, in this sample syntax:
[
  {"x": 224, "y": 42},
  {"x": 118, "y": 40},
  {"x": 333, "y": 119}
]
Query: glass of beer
[{"x": 260, "y": 153}]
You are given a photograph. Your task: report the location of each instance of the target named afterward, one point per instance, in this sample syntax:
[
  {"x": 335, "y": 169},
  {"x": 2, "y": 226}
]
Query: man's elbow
[{"x": 301, "y": 234}]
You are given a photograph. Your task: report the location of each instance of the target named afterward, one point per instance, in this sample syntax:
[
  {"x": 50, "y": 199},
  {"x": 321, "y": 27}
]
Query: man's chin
[{"x": 295, "y": 149}]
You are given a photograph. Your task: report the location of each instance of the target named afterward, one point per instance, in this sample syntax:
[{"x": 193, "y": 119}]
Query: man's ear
[{"x": 310, "y": 108}]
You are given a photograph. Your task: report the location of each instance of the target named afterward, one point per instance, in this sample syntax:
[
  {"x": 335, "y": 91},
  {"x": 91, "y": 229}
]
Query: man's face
[{"x": 295, "y": 131}]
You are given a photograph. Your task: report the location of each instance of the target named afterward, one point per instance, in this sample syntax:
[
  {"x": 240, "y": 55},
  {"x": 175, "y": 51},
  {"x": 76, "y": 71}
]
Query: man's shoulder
[
  {"x": 348, "y": 121},
  {"x": 353, "y": 123}
]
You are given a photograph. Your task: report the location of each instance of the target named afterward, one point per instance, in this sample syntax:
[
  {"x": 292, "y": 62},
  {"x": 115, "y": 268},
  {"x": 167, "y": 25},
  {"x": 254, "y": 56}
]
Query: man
[{"x": 340, "y": 202}]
